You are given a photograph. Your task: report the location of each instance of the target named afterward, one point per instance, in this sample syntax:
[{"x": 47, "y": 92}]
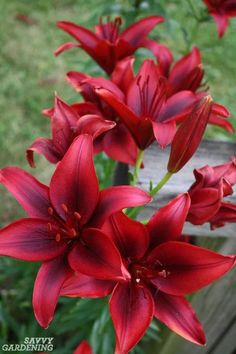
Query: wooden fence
[{"x": 216, "y": 304}]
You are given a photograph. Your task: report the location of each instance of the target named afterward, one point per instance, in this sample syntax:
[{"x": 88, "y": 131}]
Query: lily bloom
[
  {"x": 68, "y": 122},
  {"x": 60, "y": 216},
  {"x": 221, "y": 11},
  {"x": 187, "y": 74},
  {"x": 113, "y": 142},
  {"x": 107, "y": 45},
  {"x": 146, "y": 109},
  {"x": 189, "y": 135},
  {"x": 162, "y": 270},
  {"x": 207, "y": 193}
]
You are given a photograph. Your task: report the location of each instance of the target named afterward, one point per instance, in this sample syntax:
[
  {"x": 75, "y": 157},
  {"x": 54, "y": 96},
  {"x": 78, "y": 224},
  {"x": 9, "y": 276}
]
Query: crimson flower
[
  {"x": 189, "y": 135},
  {"x": 146, "y": 109},
  {"x": 60, "y": 216},
  {"x": 221, "y": 11},
  {"x": 187, "y": 74},
  {"x": 113, "y": 142},
  {"x": 162, "y": 270},
  {"x": 207, "y": 193},
  {"x": 67, "y": 122},
  {"x": 107, "y": 45}
]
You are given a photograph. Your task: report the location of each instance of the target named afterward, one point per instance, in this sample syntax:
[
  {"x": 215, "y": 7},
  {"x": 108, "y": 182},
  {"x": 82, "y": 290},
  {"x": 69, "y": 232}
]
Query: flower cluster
[{"x": 85, "y": 238}]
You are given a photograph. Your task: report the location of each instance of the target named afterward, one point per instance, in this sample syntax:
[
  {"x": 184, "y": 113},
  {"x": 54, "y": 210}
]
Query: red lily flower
[
  {"x": 211, "y": 186},
  {"x": 113, "y": 142},
  {"x": 221, "y": 11},
  {"x": 83, "y": 348},
  {"x": 189, "y": 135},
  {"x": 67, "y": 122},
  {"x": 146, "y": 110},
  {"x": 162, "y": 270},
  {"x": 107, "y": 46},
  {"x": 187, "y": 74},
  {"x": 60, "y": 216}
]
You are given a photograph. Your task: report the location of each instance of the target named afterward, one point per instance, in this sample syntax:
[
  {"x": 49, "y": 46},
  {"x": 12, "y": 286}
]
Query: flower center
[{"x": 110, "y": 30}]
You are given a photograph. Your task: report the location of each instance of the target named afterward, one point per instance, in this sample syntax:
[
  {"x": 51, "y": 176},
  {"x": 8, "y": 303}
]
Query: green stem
[
  {"x": 134, "y": 212},
  {"x": 162, "y": 182},
  {"x": 137, "y": 166}
]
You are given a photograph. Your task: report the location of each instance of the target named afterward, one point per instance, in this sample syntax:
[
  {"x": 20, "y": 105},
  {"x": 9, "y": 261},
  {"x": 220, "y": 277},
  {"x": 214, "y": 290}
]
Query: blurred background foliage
[{"x": 30, "y": 75}]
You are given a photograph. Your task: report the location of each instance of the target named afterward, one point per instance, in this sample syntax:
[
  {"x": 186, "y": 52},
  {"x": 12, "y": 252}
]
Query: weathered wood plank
[
  {"x": 155, "y": 160},
  {"x": 215, "y": 307}
]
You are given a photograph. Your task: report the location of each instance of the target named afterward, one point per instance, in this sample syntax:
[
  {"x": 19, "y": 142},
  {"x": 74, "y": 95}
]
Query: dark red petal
[
  {"x": 162, "y": 54},
  {"x": 187, "y": 268},
  {"x": 226, "y": 213},
  {"x": 64, "y": 47},
  {"x": 98, "y": 257},
  {"x": 81, "y": 34},
  {"x": 167, "y": 223},
  {"x": 94, "y": 125},
  {"x": 189, "y": 135},
  {"x": 64, "y": 122},
  {"x": 205, "y": 202},
  {"x": 221, "y": 122},
  {"x": 123, "y": 75},
  {"x": 114, "y": 199},
  {"x": 31, "y": 240},
  {"x": 177, "y": 314},
  {"x": 28, "y": 191},
  {"x": 43, "y": 147},
  {"x": 114, "y": 142},
  {"x": 222, "y": 22},
  {"x": 177, "y": 107},
  {"x": 47, "y": 286},
  {"x": 140, "y": 129},
  {"x": 84, "y": 286},
  {"x": 129, "y": 236},
  {"x": 83, "y": 348},
  {"x": 137, "y": 32},
  {"x": 131, "y": 310},
  {"x": 181, "y": 74},
  {"x": 164, "y": 132},
  {"x": 74, "y": 183}
]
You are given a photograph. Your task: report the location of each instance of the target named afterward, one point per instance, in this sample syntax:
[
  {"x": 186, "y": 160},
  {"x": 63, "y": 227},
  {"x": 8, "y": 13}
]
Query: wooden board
[{"x": 155, "y": 160}]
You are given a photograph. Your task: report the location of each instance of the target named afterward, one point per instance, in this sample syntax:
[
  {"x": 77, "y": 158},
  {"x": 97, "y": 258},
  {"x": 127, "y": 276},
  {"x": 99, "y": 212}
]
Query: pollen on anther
[
  {"x": 58, "y": 237},
  {"x": 64, "y": 207},
  {"x": 50, "y": 210},
  {"x": 77, "y": 215},
  {"x": 49, "y": 226}
]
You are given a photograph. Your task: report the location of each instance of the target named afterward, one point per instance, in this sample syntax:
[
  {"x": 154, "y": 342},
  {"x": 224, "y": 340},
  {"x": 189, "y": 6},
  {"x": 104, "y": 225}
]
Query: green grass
[{"x": 30, "y": 75}]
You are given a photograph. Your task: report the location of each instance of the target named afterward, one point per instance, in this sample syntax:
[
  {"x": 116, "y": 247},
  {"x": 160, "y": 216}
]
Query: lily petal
[
  {"x": 74, "y": 183},
  {"x": 43, "y": 147},
  {"x": 31, "y": 240},
  {"x": 114, "y": 199},
  {"x": 114, "y": 142},
  {"x": 167, "y": 223},
  {"x": 188, "y": 268},
  {"x": 177, "y": 314},
  {"x": 137, "y": 32},
  {"x": 131, "y": 310},
  {"x": 32, "y": 195},
  {"x": 129, "y": 236},
  {"x": 64, "y": 47},
  {"x": 48, "y": 283},
  {"x": 85, "y": 286},
  {"x": 97, "y": 256}
]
